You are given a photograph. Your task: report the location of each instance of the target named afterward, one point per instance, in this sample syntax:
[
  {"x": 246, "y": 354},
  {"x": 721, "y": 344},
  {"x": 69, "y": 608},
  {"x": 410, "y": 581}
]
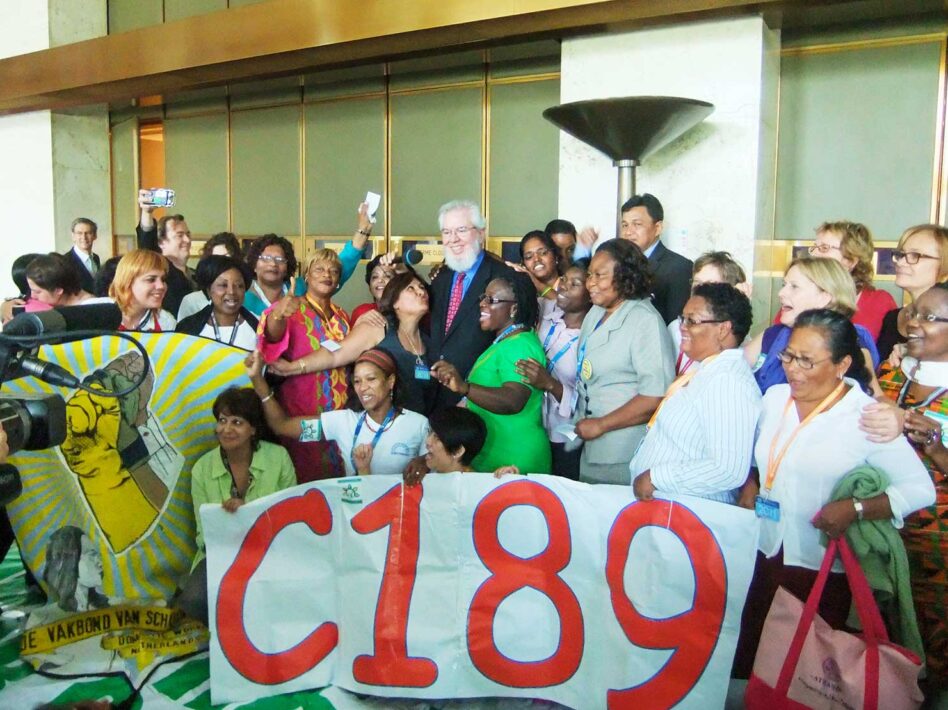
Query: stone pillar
[
  {"x": 56, "y": 165},
  {"x": 716, "y": 182}
]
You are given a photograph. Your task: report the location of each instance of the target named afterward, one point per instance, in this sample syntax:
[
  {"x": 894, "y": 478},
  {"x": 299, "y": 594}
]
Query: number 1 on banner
[{"x": 390, "y": 664}]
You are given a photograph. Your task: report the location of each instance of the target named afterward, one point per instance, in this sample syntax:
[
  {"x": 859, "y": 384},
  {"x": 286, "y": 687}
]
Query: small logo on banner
[{"x": 349, "y": 487}]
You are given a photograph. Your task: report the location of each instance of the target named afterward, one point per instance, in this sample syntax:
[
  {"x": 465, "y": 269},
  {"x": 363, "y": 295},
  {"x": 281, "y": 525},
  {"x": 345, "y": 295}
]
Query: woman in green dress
[{"x": 510, "y": 408}]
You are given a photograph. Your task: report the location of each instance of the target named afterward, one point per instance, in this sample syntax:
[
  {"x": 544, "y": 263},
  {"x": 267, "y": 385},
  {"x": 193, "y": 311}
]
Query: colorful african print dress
[
  {"x": 313, "y": 393},
  {"x": 926, "y": 540}
]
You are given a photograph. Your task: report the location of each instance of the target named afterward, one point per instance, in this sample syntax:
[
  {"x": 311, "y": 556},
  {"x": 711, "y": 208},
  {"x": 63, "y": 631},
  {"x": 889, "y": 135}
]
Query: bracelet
[
  {"x": 468, "y": 390},
  {"x": 860, "y": 509},
  {"x": 364, "y": 232},
  {"x": 932, "y": 437},
  {"x": 302, "y": 367},
  {"x": 264, "y": 400}
]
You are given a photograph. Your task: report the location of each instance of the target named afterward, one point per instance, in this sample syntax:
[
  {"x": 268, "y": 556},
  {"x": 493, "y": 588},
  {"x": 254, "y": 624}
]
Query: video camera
[{"x": 38, "y": 422}]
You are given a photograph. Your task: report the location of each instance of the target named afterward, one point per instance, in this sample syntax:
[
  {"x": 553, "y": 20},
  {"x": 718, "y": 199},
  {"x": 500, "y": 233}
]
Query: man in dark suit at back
[
  {"x": 456, "y": 334},
  {"x": 86, "y": 261},
  {"x": 642, "y": 223}
]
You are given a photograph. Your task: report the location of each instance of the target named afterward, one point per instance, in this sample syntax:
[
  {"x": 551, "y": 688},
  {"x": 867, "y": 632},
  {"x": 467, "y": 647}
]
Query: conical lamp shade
[{"x": 629, "y": 128}]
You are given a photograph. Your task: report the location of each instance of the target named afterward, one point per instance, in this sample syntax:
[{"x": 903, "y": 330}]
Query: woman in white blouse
[
  {"x": 699, "y": 441},
  {"x": 808, "y": 440}
]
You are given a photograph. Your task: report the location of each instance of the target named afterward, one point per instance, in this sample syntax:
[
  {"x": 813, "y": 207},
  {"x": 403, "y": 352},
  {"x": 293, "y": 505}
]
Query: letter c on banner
[
  {"x": 692, "y": 634},
  {"x": 311, "y": 509}
]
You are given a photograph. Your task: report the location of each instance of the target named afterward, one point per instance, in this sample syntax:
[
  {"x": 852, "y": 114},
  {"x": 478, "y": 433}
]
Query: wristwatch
[{"x": 860, "y": 509}]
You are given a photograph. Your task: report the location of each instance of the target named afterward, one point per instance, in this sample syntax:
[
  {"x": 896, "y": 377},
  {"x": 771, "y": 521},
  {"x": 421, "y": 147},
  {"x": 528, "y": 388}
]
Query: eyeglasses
[
  {"x": 912, "y": 314},
  {"x": 822, "y": 248},
  {"x": 688, "y": 322},
  {"x": 492, "y": 300},
  {"x": 270, "y": 259},
  {"x": 804, "y": 363},
  {"x": 459, "y": 232},
  {"x": 911, "y": 257}
]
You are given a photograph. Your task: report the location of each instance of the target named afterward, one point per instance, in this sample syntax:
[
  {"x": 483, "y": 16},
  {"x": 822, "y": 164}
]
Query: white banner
[{"x": 470, "y": 586}]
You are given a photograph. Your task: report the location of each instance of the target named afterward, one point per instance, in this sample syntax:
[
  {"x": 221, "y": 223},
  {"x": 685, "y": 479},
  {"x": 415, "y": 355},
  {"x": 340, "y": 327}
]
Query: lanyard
[
  {"x": 144, "y": 321},
  {"x": 375, "y": 439},
  {"x": 556, "y": 358},
  {"x": 677, "y": 385},
  {"x": 581, "y": 355},
  {"x": 507, "y": 331},
  {"x": 928, "y": 400},
  {"x": 233, "y": 333},
  {"x": 679, "y": 370},
  {"x": 775, "y": 458},
  {"x": 263, "y": 297}
]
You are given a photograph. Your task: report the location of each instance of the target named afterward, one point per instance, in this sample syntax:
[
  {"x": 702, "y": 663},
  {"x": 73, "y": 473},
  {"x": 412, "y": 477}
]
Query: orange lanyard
[
  {"x": 774, "y": 461},
  {"x": 677, "y": 385}
]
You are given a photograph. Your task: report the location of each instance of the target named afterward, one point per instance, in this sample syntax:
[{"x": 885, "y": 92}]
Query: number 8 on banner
[{"x": 509, "y": 574}]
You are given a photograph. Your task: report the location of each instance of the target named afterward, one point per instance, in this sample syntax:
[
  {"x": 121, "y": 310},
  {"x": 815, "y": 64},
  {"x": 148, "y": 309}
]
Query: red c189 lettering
[
  {"x": 692, "y": 634},
  {"x": 311, "y": 509},
  {"x": 509, "y": 574}
]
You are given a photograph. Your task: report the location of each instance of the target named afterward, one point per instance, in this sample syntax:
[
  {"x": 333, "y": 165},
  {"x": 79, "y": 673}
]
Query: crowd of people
[{"x": 602, "y": 361}]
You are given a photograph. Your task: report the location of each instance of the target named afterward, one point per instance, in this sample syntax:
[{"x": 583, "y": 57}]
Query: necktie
[
  {"x": 457, "y": 291},
  {"x": 91, "y": 264}
]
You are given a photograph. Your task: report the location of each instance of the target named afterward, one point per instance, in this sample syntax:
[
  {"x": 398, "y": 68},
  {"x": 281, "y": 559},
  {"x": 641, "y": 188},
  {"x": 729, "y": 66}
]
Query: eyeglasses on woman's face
[
  {"x": 912, "y": 313},
  {"x": 493, "y": 300},
  {"x": 804, "y": 363},
  {"x": 910, "y": 257}
]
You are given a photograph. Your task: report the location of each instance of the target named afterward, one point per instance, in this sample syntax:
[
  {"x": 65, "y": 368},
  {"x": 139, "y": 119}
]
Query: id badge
[
  {"x": 768, "y": 509},
  {"x": 422, "y": 372}
]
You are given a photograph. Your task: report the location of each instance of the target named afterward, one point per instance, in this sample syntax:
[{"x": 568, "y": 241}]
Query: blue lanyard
[
  {"x": 556, "y": 358},
  {"x": 507, "y": 331},
  {"x": 375, "y": 439},
  {"x": 581, "y": 355},
  {"x": 549, "y": 336}
]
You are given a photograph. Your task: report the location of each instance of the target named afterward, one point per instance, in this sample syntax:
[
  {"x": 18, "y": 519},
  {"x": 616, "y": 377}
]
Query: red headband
[{"x": 380, "y": 359}]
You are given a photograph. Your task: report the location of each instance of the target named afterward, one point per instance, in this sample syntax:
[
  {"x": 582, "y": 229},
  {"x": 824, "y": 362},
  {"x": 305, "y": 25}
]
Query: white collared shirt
[{"x": 822, "y": 453}]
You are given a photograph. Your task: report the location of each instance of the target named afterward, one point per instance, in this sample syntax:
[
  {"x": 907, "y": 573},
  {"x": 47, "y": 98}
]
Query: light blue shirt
[{"x": 468, "y": 275}]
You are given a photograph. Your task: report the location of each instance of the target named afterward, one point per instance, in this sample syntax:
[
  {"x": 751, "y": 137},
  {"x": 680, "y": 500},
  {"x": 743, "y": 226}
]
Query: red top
[
  {"x": 871, "y": 306},
  {"x": 365, "y": 308}
]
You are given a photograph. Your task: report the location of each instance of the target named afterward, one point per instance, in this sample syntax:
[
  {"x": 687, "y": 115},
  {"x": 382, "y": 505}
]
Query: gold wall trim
[
  {"x": 284, "y": 37},
  {"x": 523, "y": 78},
  {"x": 485, "y": 148},
  {"x": 879, "y": 43},
  {"x": 470, "y": 84},
  {"x": 939, "y": 183},
  {"x": 346, "y": 97}
]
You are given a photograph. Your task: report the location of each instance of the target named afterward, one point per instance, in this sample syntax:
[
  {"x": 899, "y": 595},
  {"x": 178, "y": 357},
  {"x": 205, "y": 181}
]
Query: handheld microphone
[{"x": 412, "y": 257}]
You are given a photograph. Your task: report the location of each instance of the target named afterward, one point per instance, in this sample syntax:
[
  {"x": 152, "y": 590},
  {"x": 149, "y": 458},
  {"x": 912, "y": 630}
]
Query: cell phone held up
[{"x": 159, "y": 197}]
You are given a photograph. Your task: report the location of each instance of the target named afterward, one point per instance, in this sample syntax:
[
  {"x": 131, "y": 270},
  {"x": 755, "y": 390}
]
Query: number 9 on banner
[{"x": 692, "y": 634}]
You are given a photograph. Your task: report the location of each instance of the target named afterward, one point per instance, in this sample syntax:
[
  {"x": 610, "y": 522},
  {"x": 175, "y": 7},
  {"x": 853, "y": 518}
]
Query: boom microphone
[{"x": 66, "y": 319}]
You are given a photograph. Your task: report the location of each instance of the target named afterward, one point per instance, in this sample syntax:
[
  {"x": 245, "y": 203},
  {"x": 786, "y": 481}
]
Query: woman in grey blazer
[{"x": 625, "y": 362}]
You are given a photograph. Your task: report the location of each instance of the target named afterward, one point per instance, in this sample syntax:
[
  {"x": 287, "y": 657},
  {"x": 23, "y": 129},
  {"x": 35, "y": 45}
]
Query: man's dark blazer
[
  {"x": 464, "y": 341},
  {"x": 86, "y": 280},
  {"x": 671, "y": 281}
]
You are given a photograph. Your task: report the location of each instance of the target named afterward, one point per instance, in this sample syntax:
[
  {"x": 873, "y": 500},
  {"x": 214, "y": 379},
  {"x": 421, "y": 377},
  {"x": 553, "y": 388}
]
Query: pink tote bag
[{"x": 804, "y": 663}]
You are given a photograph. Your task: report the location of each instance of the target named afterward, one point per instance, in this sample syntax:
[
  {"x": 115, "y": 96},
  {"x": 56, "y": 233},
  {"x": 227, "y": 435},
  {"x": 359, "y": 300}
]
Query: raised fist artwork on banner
[{"x": 105, "y": 521}]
